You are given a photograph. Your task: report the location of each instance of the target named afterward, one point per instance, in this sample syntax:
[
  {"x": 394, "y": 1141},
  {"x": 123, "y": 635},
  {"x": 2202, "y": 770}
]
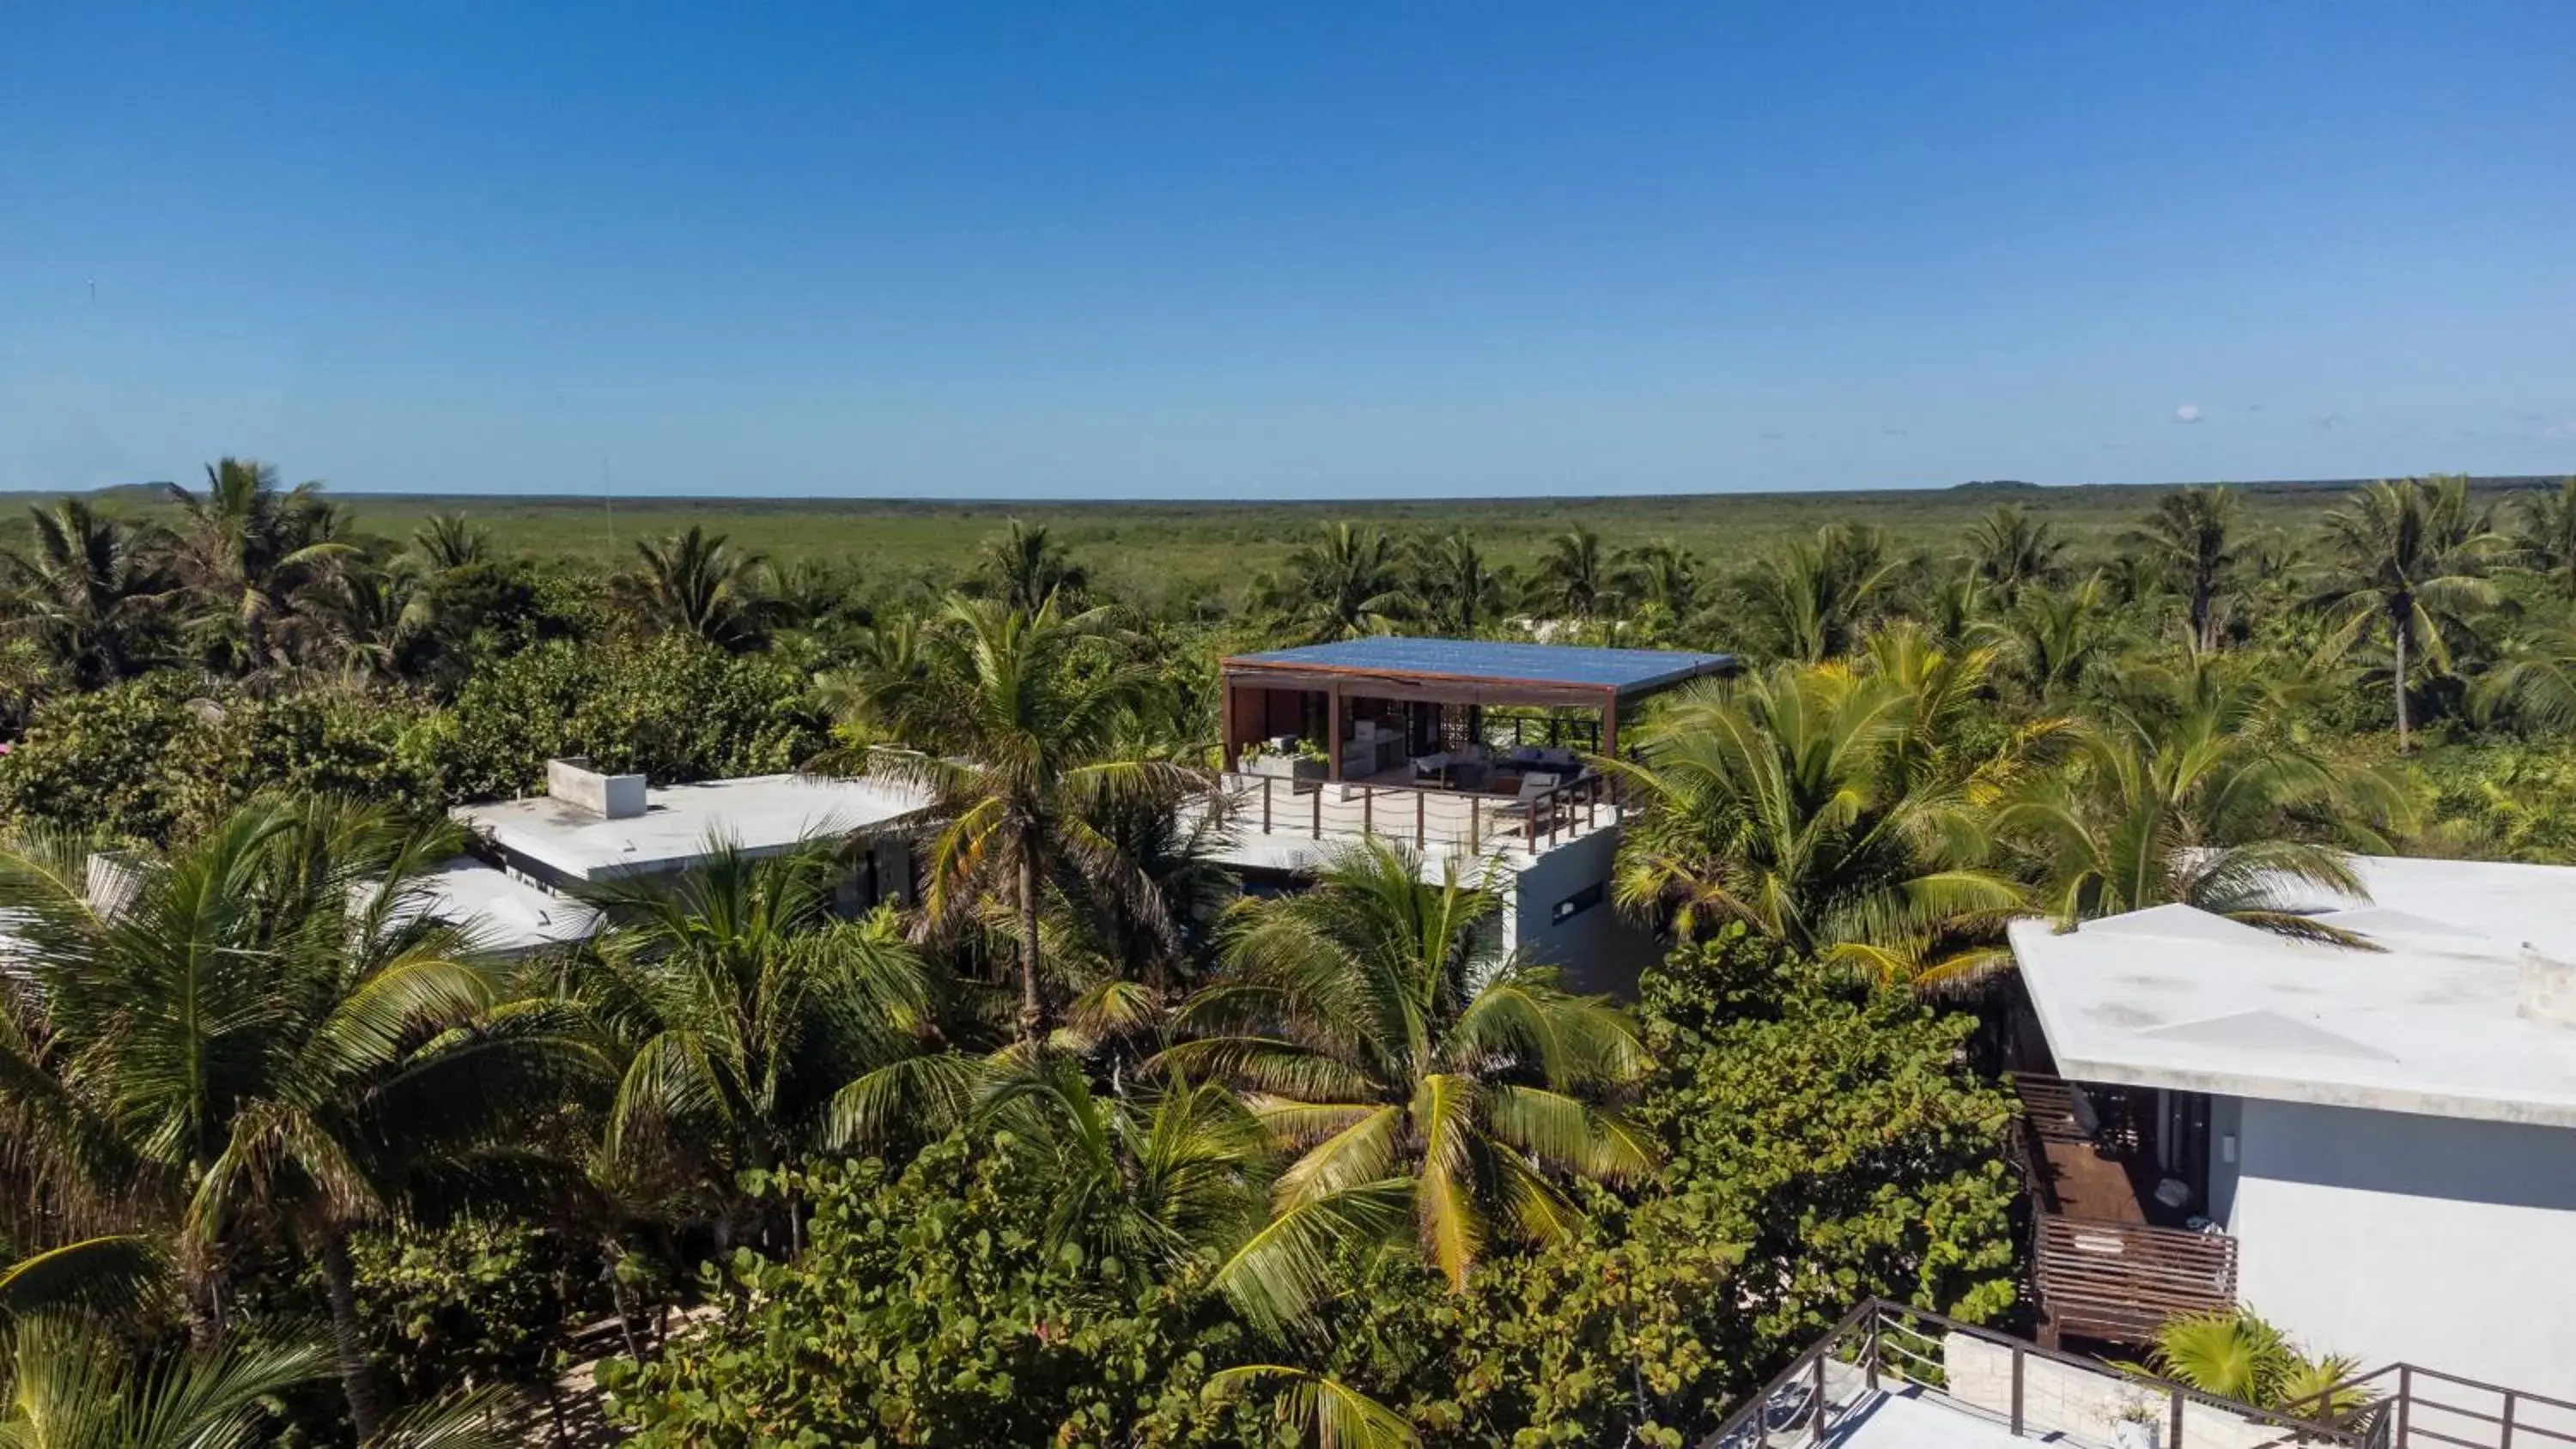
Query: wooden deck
[{"x": 2106, "y": 1267}]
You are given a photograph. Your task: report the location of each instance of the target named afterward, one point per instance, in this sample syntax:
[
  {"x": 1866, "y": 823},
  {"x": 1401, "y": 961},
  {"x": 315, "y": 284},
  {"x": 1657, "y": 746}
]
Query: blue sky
[{"x": 1229, "y": 251}]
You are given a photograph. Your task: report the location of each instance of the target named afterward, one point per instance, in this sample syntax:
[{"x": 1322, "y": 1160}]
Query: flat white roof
[
  {"x": 761, "y": 814},
  {"x": 503, "y": 912},
  {"x": 2179, "y": 998}
]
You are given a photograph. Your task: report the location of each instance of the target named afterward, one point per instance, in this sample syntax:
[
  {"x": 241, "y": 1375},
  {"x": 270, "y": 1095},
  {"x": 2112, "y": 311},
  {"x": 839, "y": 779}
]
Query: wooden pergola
[{"x": 1292, "y": 691}]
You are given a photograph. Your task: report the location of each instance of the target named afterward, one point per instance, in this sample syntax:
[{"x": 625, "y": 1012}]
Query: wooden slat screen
[{"x": 2121, "y": 1281}]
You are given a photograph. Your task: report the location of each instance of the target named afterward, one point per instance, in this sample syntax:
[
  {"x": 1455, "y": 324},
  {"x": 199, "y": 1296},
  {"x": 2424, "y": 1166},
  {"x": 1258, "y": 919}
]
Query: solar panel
[{"x": 1627, "y": 670}]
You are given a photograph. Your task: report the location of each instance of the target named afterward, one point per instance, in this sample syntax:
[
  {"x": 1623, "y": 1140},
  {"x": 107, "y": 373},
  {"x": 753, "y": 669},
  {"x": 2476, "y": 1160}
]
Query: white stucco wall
[
  {"x": 2444, "y": 1242},
  {"x": 1598, "y": 949}
]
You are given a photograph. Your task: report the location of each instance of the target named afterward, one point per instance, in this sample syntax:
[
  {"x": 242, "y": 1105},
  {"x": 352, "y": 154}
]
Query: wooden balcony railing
[{"x": 2122, "y": 1281}]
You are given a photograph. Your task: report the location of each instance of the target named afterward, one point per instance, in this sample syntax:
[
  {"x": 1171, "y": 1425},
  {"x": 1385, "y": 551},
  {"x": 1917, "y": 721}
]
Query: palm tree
[
  {"x": 265, "y": 1034},
  {"x": 1574, "y": 579},
  {"x": 2193, "y": 790},
  {"x": 1813, "y": 596},
  {"x": 1023, "y": 567},
  {"x": 450, "y": 541},
  {"x": 740, "y": 1008},
  {"x": 2057, "y": 636},
  {"x": 248, "y": 551},
  {"x": 1835, "y": 811},
  {"x": 1016, "y": 719},
  {"x": 1406, "y": 1062},
  {"x": 694, "y": 584},
  {"x": 1663, "y": 574},
  {"x": 2407, "y": 560},
  {"x": 367, "y": 622},
  {"x": 2009, "y": 548},
  {"x": 2191, "y": 534},
  {"x": 2544, "y": 538},
  {"x": 68, "y": 1384},
  {"x": 1342, "y": 587},
  {"x": 92, "y": 588},
  {"x": 2236, "y": 1354},
  {"x": 2536, "y": 683},
  {"x": 1459, "y": 593}
]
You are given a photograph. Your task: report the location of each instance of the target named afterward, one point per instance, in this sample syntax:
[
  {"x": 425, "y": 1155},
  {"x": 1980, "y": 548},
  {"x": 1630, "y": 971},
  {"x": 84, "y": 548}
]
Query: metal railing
[
  {"x": 2414, "y": 1406},
  {"x": 1882, "y": 1348},
  {"x": 1422, "y": 816}
]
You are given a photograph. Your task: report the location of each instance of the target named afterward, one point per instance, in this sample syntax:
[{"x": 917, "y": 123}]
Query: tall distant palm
[
  {"x": 1834, "y": 811},
  {"x": 92, "y": 589},
  {"x": 1812, "y": 596},
  {"x": 366, "y": 622},
  {"x": 2010, "y": 549},
  {"x": 248, "y": 551},
  {"x": 2407, "y": 559},
  {"x": 694, "y": 584},
  {"x": 1406, "y": 1064},
  {"x": 1016, "y": 721},
  {"x": 1346, "y": 584},
  {"x": 741, "y": 1008},
  {"x": 2192, "y": 536},
  {"x": 450, "y": 541},
  {"x": 1575, "y": 578},
  {"x": 2193, "y": 789},
  {"x": 1023, "y": 567},
  {"x": 2544, "y": 537},
  {"x": 265, "y": 1034},
  {"x": 1458, "y": 591}
]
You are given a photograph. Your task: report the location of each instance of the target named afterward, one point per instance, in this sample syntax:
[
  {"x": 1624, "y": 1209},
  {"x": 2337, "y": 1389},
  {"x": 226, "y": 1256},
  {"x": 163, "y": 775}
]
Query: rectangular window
[{"x": 1577, "y": 903}]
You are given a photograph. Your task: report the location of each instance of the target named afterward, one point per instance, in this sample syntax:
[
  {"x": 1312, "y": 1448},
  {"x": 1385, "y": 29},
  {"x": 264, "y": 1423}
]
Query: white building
[
  {"x": 2387, "y": 1136},
  {"x": 1476, "y": 754},
  {"x": 591, "y": 827}
]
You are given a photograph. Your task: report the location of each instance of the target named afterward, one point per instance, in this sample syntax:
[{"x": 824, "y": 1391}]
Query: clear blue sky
[{"x": 1224, "y": 250}]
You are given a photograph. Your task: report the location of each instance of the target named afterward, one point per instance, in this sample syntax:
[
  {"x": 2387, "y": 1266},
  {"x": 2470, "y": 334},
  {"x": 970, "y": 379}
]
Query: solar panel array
[{"x": 1627, "y": 670}]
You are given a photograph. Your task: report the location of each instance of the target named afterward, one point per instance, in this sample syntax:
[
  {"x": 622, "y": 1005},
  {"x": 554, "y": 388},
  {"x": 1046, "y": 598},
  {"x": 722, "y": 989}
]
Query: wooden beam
[{"x": 1333, "y": 733}]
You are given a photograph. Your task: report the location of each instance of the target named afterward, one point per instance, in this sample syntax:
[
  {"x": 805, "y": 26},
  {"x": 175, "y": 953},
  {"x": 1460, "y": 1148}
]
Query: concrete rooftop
[
  {"x": 504, "y": 913},
  {"x": 2175, "y": 997},
  {"x": 761, "y": 814}
]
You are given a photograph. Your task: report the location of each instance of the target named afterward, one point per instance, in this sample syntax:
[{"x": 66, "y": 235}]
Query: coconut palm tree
[
  {"x": 264, "y": 1034},
  {"x": 1015, "y": 722},
  {"x": 2535, "y": 684},
  {"x": 1834, "y": 810},
  {"x": 2544, "y": 537},
  {"x": 1812, "y": 596},
  {"x": 2194, "y": 788},
  {"x": 694, "y": 584},
  {"x": 740, "y": 1007},
  {"x": 2010, "y": 549},
  {"x": 2192, "y": 535},
  {"x": 2406, "y": 560},
  {"x": 1575, "y": 578},
  {"x": 248, "y": 551},
  {"x": 1458, "y": 592},
  {"x": 1023, "y": 567},
  {"x": 1663, "y": 574},
  {"x": 68, "y": 1384},
  {"x": 450, "y": 541},
  {"x": 92, "y": 589},
  {"x": 1343, "y": 586},
  {"x": 2057, "y": 636},
  {"x": 1408, "y": 1065}
]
